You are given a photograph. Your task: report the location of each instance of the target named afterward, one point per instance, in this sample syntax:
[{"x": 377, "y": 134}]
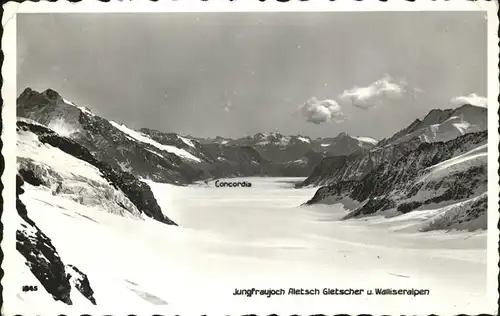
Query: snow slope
[
  {"x": 66, "y": 175},
  {"x": 368, "y": 140},
  {"x": 143, "y": 138},
  {"x": 305, "y": 140},
  {"x": 186, "y": 141},
  {"x": 253, "y": 237},
  {"x": 443, "y": 125},
  {"x": 475, "y": 157},
  {"x": 82, "y": 108},
  {"x": 449, "y": 129},
  {"x": 28, "y": 146}
]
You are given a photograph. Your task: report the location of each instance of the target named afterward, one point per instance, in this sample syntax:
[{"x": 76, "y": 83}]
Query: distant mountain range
[{"x": 277, "y": 147}]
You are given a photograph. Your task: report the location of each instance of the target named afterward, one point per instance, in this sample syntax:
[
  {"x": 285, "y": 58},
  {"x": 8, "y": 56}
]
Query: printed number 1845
[{"x": 30, "y": 288}]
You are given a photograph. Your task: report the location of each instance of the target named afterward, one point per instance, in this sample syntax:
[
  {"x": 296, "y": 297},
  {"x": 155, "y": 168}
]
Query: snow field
[{"x": 258, "y": 237}]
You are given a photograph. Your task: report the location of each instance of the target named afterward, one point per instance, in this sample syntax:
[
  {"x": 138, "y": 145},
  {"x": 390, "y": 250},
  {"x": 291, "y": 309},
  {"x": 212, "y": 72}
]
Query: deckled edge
[{"x": 7, "y": 123}]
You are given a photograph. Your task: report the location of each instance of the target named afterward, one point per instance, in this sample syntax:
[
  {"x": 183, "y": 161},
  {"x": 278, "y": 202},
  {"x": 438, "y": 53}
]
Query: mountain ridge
[
  {"x": 452, "y": 173},
  {"x": 437, "y": 125},
  {"x": 177, "y": 159}
]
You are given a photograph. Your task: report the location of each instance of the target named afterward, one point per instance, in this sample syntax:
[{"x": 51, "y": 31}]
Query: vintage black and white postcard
[{"x": 247, "y": 157}]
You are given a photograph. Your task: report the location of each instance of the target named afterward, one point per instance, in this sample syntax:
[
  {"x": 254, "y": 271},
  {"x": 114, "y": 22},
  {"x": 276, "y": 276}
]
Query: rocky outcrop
[
  {"x": 44, "y": 261},
  {"x": 344, "y": 144},
  {"x": 80, "y": 281},
  {"x": 468, "y": 215},
  {"x": 138, "y": 192}
]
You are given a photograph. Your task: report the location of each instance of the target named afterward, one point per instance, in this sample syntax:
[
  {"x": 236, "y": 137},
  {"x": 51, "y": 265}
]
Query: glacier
[{"x": 253, "y": 237}]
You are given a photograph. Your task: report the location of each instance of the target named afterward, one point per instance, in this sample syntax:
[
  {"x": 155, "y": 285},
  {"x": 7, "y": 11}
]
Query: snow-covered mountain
[
  {"x": 65, "y": 168},
  {"x": 449, "y": 179},
  {"x": 344, "y": 144},
  {"x": 443, "y": 125},
  {"x": 52, "y": 168},
  {"x": 178, "y": 159},
  {"x": 438, "y": 125},
  {"x": 111, "y": 142},
  {"x": 294, "y": 155},
  {"x": 162, "y": 157}
]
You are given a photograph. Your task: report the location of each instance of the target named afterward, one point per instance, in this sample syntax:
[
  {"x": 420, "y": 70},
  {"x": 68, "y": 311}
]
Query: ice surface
[
  {"x": 71, "y": 177},
  {"x": 305, "y": 140},
  {"x": 145, "y": 139},
  {"x": 367, "y": 140},
  {"x": 256, "y": 237},
  {"x": 28, "y": 146}
]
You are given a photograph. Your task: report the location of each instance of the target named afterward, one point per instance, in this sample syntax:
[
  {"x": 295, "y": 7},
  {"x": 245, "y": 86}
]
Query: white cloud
[
  {"x": 376, "y": 93},
  {"x": 472, "y": 99},
  {"x": 321, "y": 111}
]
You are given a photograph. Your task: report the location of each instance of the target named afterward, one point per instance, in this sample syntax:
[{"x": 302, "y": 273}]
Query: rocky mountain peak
[
  {"x": 27, "y": 93},
  {"x": 442, "y": 125},
  {"x": 469, "y": 111},
  {"x": 436, "y": 116},
  {"x": 53, "y": 95},
  {"x": 342, "y": 135},
  {"x": 30, "y": 97},
  {"x": 468, "y": 105}
]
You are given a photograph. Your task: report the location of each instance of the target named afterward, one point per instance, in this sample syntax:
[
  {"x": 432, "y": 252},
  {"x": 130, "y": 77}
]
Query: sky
[{"x": 235, "y": 74}]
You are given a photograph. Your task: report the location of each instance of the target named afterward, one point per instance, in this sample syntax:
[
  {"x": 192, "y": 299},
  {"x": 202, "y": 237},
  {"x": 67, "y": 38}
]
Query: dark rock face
[
  {"x": 340, "y": 168},
  {"x": 343, "y": 144},
  {"x": 138, "y": 192},
  {"x": 394, "y": 185},
  {"x": 81, "y": 282},
  {"x": 42, "y": 257},
  {"x": 29, "y": 176}
]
